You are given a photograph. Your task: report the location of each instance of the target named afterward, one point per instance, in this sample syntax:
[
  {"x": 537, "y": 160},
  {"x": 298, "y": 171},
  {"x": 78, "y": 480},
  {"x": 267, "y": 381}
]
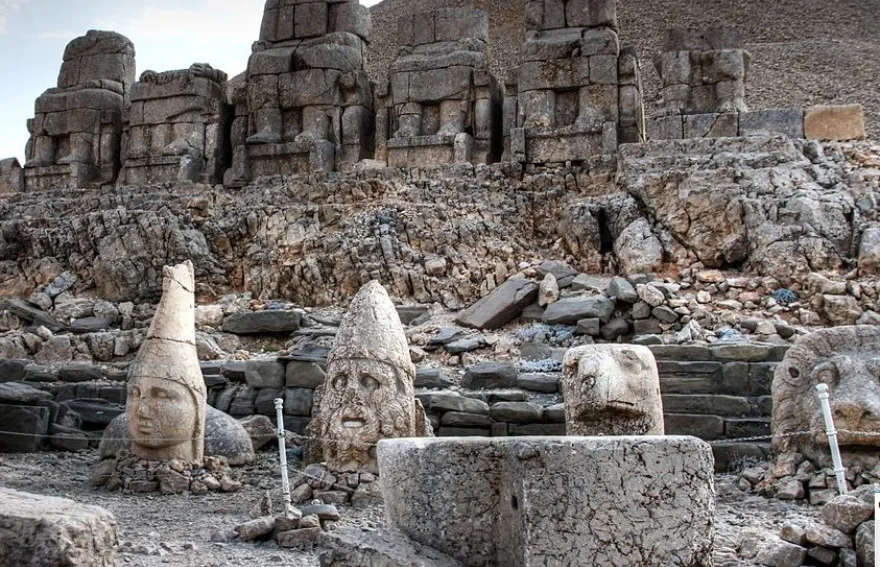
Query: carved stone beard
[{"x": 364, "y": 401}]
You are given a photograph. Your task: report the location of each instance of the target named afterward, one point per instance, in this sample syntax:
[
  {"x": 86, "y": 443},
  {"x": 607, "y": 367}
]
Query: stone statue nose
[{"x": 853, "y": 412}]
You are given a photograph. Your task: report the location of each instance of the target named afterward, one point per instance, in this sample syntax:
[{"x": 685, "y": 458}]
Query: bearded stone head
[
  {"x": 611, "y": 390},
  {"x": 847, "y": 359},
  {"x": 369, "y": 393}
]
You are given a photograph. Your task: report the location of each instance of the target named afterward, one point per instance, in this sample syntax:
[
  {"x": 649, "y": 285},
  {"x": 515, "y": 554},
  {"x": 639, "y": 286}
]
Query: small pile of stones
[
  {"x": 792, "y": 477},
  {"x": 319, "y": 483},
  {"x": 297, "y": 528},
  {"x": 134, "y": 475},
  {"x": 844, "y": 536}
]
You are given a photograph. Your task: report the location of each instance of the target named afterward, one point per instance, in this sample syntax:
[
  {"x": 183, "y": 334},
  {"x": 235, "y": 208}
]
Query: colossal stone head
[
  {"x": 369, "y": 392},
  {"x": 166, "y": 392},
  {"x": 611, "y": 390},
  {"x": 847, "y": 359}
]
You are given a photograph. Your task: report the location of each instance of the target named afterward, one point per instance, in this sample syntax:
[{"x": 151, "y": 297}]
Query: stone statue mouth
[{"x": 353, "y": 423}]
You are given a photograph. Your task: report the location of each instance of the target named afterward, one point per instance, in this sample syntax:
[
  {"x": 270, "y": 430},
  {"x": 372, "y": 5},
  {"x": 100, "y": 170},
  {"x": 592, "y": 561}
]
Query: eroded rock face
[
  {"x": 847, "y": 359},
  {"x": 369, "y": 392},
  {"x": 166, "y": 391},
  {"x": 177, "y": 127},
  {"x": 76, "y": 132},
  {"x": 611, "y": 390}
]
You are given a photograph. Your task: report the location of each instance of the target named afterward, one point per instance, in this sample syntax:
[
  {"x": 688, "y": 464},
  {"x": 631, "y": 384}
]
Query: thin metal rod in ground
[{"x": 824, "y": 401}]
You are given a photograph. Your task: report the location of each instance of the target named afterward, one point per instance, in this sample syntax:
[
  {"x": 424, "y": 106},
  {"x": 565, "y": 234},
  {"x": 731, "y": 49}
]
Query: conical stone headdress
[{"x": 372, "y": 330}]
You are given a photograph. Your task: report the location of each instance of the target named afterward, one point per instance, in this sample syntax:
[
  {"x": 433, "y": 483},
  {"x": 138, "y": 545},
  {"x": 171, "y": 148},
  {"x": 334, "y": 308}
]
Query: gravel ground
[
  {"x": 176, "y": 530},
  {"x": 804, "y": 52}
]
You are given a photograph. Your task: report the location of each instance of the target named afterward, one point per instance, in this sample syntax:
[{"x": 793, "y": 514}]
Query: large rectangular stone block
[
  {"x": 787, "y": 121},
  {"x": 591, "y": 13},
  {"x": 39, "y": 531},
  {"x": 836, "y": 122},
  {"x": 711, "y": 126},
  {"x": 22, "y": 428},
  {"x": 549, "y": 501}
]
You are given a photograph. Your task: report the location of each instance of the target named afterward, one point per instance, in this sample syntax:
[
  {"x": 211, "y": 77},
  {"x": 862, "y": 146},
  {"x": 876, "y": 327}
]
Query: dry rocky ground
[{"x": 176, "y": 530}]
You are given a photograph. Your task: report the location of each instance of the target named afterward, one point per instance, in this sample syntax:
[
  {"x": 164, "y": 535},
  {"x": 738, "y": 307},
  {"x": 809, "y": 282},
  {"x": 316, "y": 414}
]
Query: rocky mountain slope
[{"x": 803, "y": 53}]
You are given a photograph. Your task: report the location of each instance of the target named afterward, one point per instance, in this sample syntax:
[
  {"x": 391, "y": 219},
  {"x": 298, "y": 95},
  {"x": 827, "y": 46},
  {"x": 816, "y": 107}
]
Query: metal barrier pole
[
  {"x": 282, "y": 452},
  {"x": 832, "y": 437}
]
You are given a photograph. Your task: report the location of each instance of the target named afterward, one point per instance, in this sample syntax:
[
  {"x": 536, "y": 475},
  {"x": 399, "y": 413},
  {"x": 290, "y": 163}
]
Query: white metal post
[
  {"x": 832, "y": 437},
  {"x": 282, "y": 452}
]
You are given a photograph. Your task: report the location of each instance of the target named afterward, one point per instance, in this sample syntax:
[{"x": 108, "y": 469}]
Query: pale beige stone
[
  {"x": 369, "y": 393},
  {"x": 611, "y": 390},
  {"x": 835, "y": 122},
  {"x": 166, "y": 391}
]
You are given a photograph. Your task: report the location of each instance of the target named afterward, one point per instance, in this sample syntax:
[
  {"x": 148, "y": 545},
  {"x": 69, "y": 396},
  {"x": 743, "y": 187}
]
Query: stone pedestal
[
  {"x": 543, "y": 501},
  {"x": 177, "y": 127},
  {"x": 77, "y": 128},
  {"x": 441, "y": 103},
  {"x": 11, "y": 177},
  {"x": 306, "y": 104}
]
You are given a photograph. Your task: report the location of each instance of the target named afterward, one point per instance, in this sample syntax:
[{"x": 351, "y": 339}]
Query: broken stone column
[
  {"x": 567, "y": 84},
  {"x": 847, "y": 359},
  {"x": 307, "y": 105},
  {"x": 77, "y": 128},
  {"x": 369, "y": 393},
  {"x": 441, "y": 103},
  {"x": 703, "y": 76},
  {"x": 611, "y": 390},
  {"x": 545, "y": 501},
  {"x": 177, "y": 127},
  {"x": 166, "y": 391},
  {"x": 37, "y": 531},
  {"x": 11, "y": 177}
]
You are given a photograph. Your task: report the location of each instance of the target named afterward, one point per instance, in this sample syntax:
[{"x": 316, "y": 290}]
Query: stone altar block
[
  {"x": 553, "y": 501},
  {"x": 77, "y": 128},
  {"x": 567, "y": 86},
  {"x": 307, "y": 103},
  {"x": 177, "y": 126},
  {"x": 441, "y": 103}
]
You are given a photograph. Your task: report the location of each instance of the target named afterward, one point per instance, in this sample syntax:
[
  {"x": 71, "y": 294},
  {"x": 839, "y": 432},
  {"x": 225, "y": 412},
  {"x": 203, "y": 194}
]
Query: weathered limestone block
[
  {"x": 703, "y": 72},
  {"x": 837, "y": 122},
  {"x": 349, "y": 547},
  {"x": 166, "y": 391},
  {"x": 11, "y": 177},
  {"x": 441, "y": 103},
  {"x": 785, "y": 121},
  {"x": 568, "y": 95},
  {"x": 306, "y": 103},
  {"x": 847, "y": 359},
  {"x": 612, "y": 390},
  {"x": 36, "y": 531},
  {"x": 77, "y": 128},
  {"x": 177, "y": 127},
  {"x": 517, "y": 502},
  {"x": 369, "y": 393}
]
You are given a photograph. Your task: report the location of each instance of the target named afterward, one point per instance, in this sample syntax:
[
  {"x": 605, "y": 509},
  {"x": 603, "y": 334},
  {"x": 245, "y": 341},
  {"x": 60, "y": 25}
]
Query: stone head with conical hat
[
  {"x": 166, "y": 391},
  {"x": 369, "y": 392}
]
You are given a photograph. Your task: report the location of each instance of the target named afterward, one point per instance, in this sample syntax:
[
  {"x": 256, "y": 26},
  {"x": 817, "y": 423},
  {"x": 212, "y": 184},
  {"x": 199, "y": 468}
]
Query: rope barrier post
[
  {"x": 282, "y": 452},
  {"x": 824, "y": 398}
]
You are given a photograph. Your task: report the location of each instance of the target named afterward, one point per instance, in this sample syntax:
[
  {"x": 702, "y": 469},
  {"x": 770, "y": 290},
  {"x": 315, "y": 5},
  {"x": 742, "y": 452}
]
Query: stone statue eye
[
  {"x": 369, "y": 383},
  {"x": 134, "y": 392},
  {"x": 794, "y": 372}
]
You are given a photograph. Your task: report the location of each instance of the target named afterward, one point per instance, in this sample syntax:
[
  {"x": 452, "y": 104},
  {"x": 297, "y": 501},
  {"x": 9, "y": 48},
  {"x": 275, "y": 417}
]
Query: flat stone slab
[
  {"x": 542, "y": 501},
  {"x": 258, "y": 322},
  {"x": 349, "y": 547},
  {"x": 37, "y": 531}
]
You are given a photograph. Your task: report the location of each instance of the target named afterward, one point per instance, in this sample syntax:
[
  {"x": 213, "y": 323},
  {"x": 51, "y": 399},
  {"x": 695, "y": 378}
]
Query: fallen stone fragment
[
  {"x": 782, "y": 554},
  {"x": 303, "y": 537},
  {"x": 38, "y": 531},
  {"x": 504, "y": 304},
  {"x": 258, "y": 322},
  {"x": 255, "y": 529},
  {"x": 845, "y": 512}
]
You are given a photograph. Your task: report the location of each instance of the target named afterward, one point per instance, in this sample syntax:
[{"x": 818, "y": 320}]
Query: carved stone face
[
  {"x": 364, "y": 401},
  {"x": 847, "y": 359},
  {"x": 612, "y": 390},
  {"x": 161, "y": 414}
]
